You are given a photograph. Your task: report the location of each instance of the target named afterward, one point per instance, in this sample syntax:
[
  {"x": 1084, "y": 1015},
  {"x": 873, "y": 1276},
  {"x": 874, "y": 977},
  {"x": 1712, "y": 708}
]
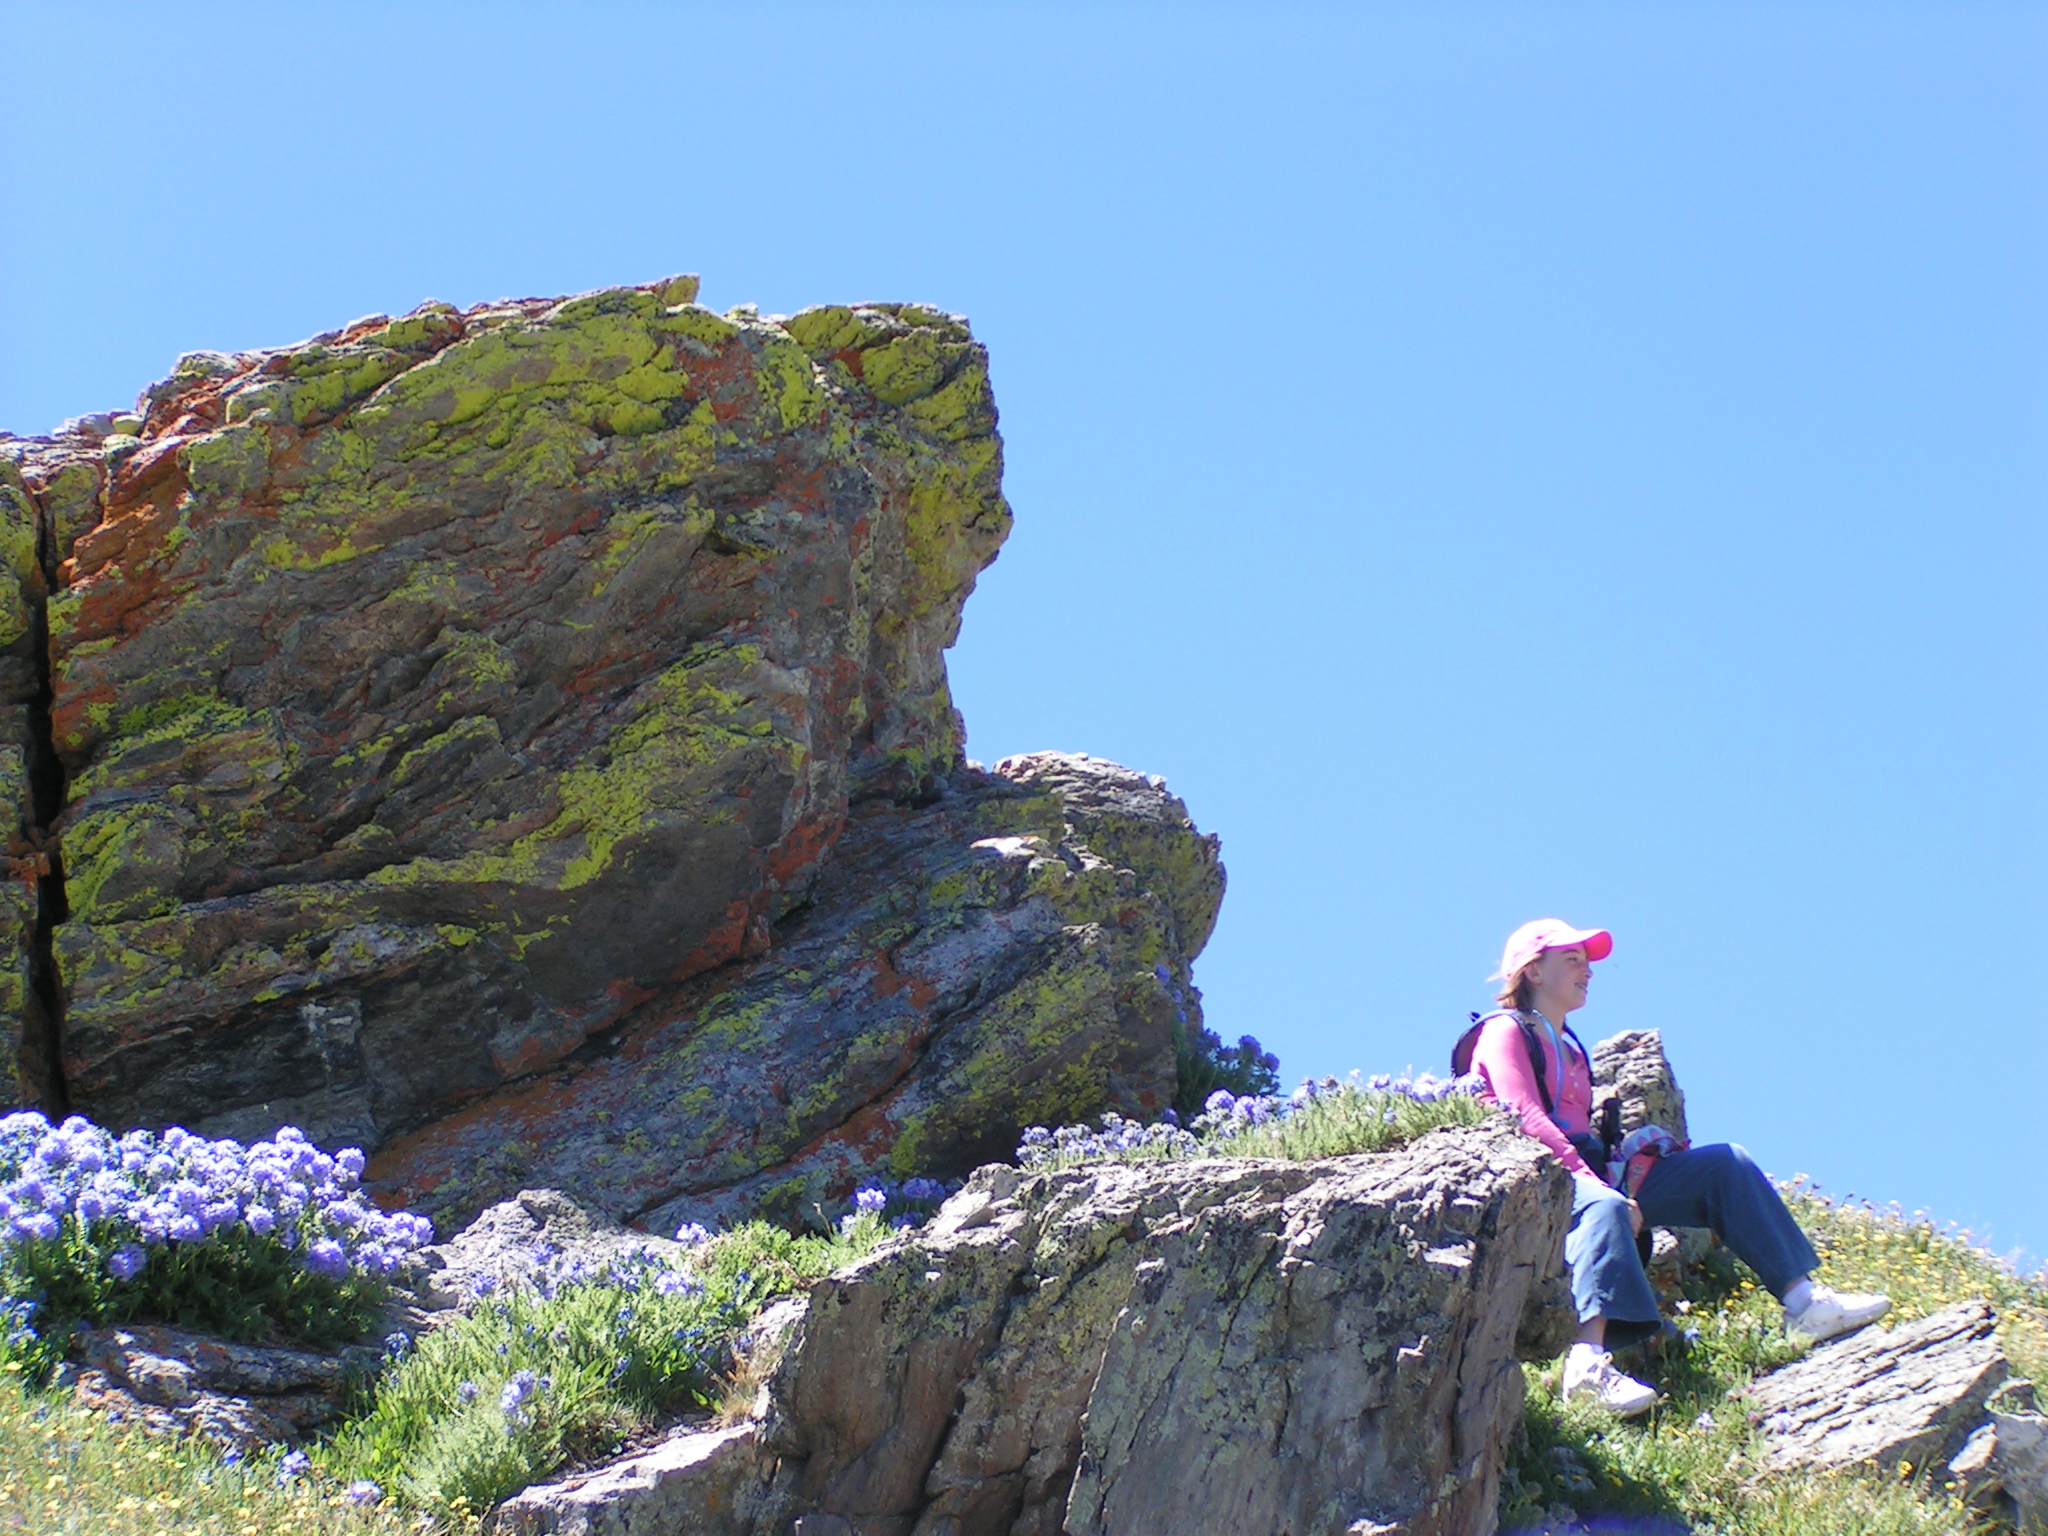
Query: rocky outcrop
[
  {"x": 966, "y": 966},
  {"x": 700, "y": 1482},
  {"x": 1631, "y": 1067},
  {"x": 1912, "y": 1393},
  {"x": 242, "y": 1395},
  {"x": 2003, "y": 1467},
  {"x": 1188, "y": 1347},
  {"x": 1183, "y": 1347},
  {"x": 536, "y": 715}
]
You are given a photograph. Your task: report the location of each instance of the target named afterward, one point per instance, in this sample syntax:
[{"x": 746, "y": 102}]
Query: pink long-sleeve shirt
[{"x": 1502, "y": 1060}]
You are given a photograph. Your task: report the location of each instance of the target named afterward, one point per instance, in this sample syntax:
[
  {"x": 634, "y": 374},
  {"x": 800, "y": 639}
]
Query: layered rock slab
[
  {"x": 433, "y": 693},
  {"x": 1183, "y": 1347},
  {"x": 1911, "y": 1393},
  {"x": 704, "y": 1482},
  {"x": 966, "y": 966}
]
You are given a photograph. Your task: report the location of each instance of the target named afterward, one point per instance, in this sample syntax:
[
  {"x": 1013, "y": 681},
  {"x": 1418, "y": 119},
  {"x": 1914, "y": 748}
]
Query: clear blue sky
[{"x": 1496, "y": 461}]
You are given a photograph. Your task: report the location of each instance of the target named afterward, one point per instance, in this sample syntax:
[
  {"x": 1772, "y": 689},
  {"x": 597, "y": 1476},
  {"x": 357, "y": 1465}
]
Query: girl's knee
[
  {"x": 1729, "y": 1159},
  {"x": 1608, "y": 1216}
]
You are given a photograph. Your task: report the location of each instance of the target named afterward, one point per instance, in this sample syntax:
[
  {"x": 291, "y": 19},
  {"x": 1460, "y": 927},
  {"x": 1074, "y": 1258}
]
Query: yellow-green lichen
[{"x": 684, "y": 721}]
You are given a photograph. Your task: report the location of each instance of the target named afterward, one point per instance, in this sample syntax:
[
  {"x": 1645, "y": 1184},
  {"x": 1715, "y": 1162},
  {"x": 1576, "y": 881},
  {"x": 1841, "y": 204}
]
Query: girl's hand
[{"x": 1635, "y": 1216}]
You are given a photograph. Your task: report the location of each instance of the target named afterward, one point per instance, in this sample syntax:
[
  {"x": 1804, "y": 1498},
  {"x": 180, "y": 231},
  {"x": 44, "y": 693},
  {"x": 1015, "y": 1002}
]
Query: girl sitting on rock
[{"x": 1544, "y": 972}]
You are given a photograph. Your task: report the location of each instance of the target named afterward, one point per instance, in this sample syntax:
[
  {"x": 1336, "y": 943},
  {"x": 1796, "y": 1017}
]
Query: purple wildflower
[{"x": 41, "y": 1225}]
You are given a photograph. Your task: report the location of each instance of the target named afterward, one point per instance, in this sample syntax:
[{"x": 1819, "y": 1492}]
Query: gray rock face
[
  {"x": 1877, "y": 1398},
  {"x": 181, "y": 1383},
  {"x": 1631, "y": 1065},
  {"x": 517, "y": 1239},
  {"x": 2003, "y": 1467},
  {"x": 1235, "y": 1346},
  {"x": 700, "y": 1483}
]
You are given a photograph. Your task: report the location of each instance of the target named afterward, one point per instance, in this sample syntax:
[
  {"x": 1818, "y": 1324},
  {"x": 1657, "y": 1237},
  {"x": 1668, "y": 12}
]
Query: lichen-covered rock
[
  {"x": 966, "y": 966},
  {"x": 434, "y": 693},
  {"x": 1912, "y": 1393},
  {"x": 1130, "y": 820},
  {"x": 1178, "y": 1347},
  {"x": 28, "y": 788},
  {"x": 518, "y": 1240},
  {"x": 518, "y": 739},
  {"x": 242, "y": 1395},
  {"x": 1631, "y": 1066}
]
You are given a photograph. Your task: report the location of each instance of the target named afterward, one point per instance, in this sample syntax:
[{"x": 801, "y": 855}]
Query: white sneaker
[
  {"x": 1830, "y": 1314},
  {"x": 1590, "y": 1372}
]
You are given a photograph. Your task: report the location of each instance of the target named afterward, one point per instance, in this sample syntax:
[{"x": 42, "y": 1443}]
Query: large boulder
[
  {"x": 1178, "y": 1347},
  {"x": 1213, "y": 1346},
  {"x": 397, "y": 677},
  {"x": 447, "y": 717}
]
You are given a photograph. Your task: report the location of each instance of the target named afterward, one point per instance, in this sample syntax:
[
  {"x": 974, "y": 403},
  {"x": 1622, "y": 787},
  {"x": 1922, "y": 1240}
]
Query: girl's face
[{"x": 1562, "y": 976}]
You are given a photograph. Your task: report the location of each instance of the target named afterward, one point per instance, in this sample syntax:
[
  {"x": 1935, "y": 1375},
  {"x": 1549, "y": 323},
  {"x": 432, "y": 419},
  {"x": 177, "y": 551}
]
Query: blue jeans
[{"x": 1717, "y": 1187}]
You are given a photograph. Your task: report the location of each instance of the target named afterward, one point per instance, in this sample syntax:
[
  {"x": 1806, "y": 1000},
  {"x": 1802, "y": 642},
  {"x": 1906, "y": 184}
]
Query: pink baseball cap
[{"x": 1532, "y": 939}]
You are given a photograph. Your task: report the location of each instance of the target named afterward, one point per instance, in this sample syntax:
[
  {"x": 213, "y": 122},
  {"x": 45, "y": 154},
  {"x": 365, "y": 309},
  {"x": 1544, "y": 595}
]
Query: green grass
[
  {"x": 1339, "y": 1119},
  {"x": 1710, "y": 1472},
  {"x": 1351, "y": 1119},
  {"x": 605, "y": 1360},
  {"x": 66, "y": 1469}
]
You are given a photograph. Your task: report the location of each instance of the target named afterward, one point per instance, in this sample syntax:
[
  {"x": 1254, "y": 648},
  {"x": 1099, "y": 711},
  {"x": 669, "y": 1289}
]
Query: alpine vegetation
[
  {"x": 1327, "y": 1117},
  {"x": 275, "y": 1238},
  {"x": 568, "y": 1367},
  {"x": 900, "y": 1207}
]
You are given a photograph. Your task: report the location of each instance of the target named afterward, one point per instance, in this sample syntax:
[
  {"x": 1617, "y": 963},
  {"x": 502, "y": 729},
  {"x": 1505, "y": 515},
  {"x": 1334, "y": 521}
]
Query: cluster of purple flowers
[
  {"x": 629, "y": 1269},
  {"x": 904, "y": 1206},
  {"x": 515, "y": 1402},
  {"x": 1113, "y": 1137},
  {"x": 1425, "y": 1087},
  {"x": 128, "y": 1195},
  {"x": 1226, "y": 1115}
]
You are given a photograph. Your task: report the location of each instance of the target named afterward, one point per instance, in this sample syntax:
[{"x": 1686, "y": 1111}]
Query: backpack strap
[{"x": 1461, "y": 1053}]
